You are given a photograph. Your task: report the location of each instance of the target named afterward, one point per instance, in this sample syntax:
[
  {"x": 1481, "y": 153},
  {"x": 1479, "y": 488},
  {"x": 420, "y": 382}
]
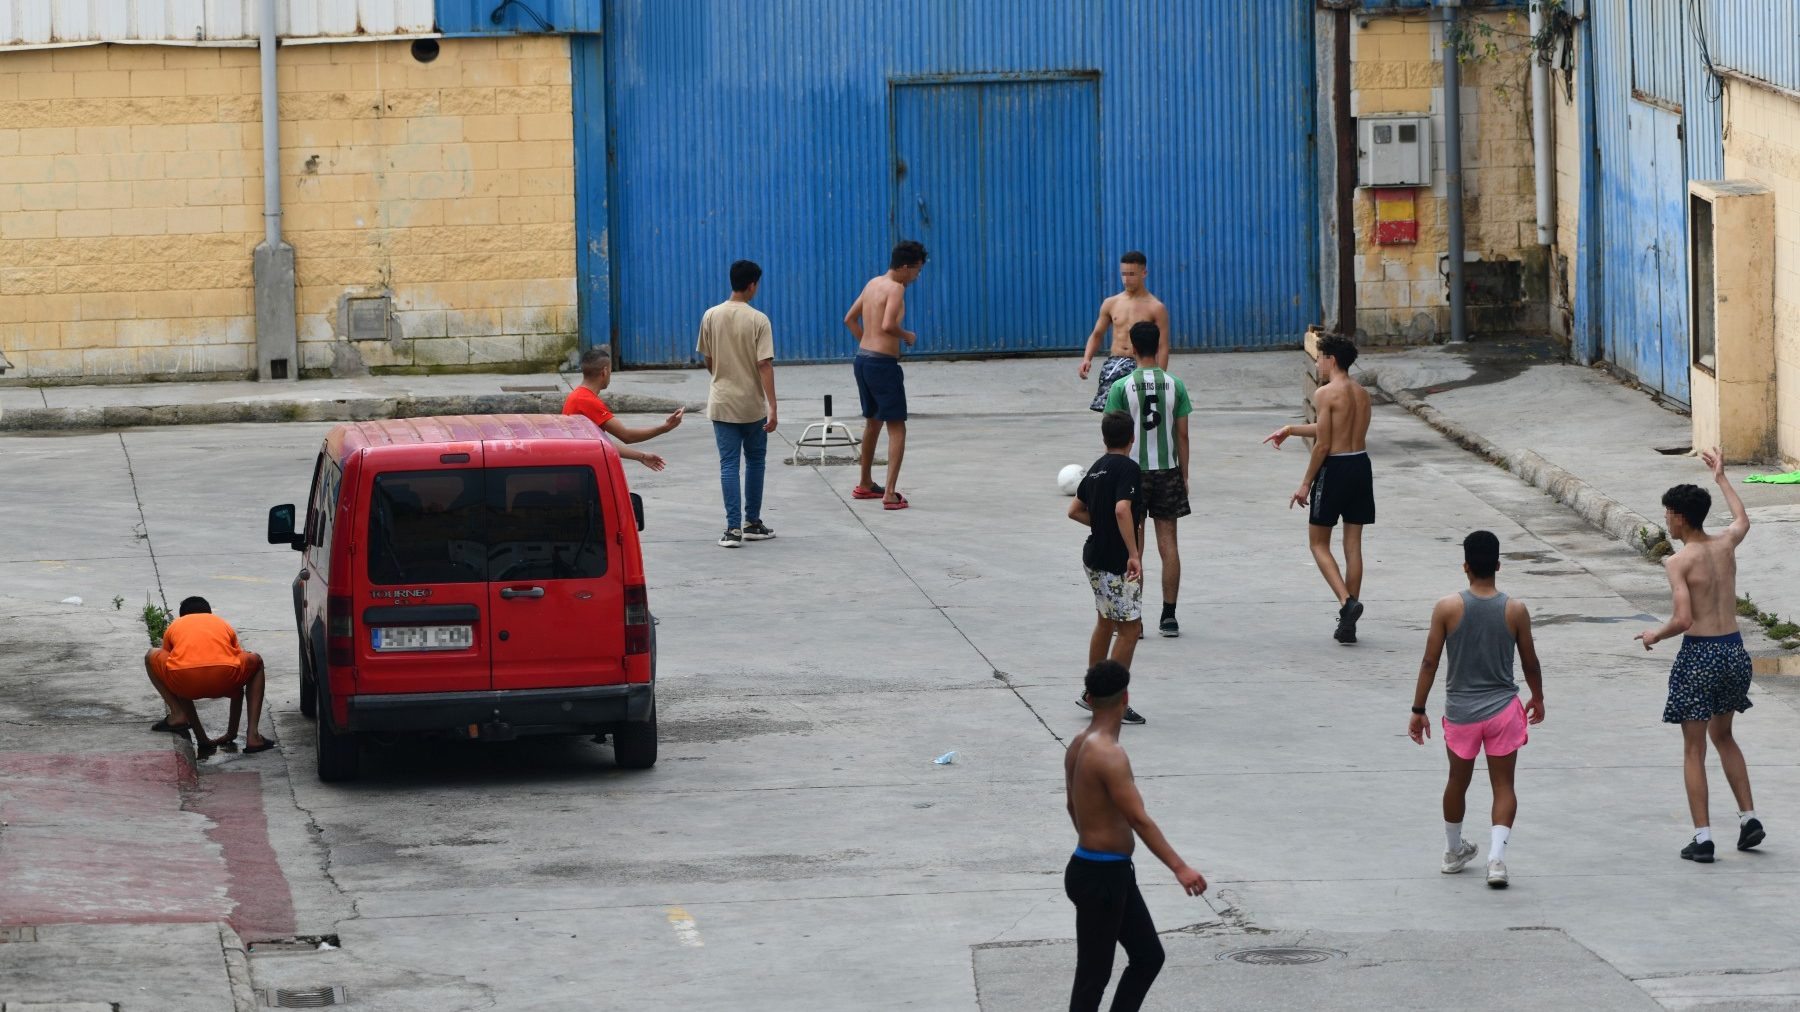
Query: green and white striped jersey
[{"x": 1153, "y": 399}]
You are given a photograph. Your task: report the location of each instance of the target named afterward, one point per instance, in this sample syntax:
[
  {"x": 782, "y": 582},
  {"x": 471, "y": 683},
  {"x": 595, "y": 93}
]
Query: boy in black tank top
[{"x": 1482, "y": 628}]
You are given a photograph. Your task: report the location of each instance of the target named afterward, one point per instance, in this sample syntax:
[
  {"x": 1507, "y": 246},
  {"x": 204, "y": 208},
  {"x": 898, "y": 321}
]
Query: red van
[{"x": 476, "y": 576}]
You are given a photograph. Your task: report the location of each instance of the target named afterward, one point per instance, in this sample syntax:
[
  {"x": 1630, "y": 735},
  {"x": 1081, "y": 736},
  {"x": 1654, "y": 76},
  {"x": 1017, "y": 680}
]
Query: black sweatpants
[{"x": 1110, "y": 911}]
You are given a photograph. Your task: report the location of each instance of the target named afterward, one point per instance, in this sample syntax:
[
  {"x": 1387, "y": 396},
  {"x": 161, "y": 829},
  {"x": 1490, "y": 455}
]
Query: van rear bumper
[{"x": 508, "y": 712}]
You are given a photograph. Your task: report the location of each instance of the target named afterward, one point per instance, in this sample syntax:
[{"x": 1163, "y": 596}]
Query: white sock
[
  {"x": 1744, "y": 817},
  {"x": 1452, "y": 836},
  {"x": 1497, "y": 848},
  {"x": 1703, "y": 834}
]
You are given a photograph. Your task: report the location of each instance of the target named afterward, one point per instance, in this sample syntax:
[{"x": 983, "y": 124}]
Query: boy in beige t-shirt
[{"x": 739, "y": 350}]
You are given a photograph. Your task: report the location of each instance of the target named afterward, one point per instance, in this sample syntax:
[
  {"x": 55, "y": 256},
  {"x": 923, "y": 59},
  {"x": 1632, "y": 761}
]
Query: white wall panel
[{"x": 47, "y": 22}]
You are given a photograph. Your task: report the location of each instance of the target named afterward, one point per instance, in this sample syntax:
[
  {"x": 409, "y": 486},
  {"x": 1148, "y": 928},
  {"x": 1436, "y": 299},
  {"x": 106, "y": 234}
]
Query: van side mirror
[
  {"x": 637, "y": 509},
  {"x": 281, "y": 527}
]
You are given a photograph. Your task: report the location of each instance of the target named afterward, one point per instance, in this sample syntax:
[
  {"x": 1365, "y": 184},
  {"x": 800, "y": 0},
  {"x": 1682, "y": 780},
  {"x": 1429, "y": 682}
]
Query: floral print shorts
[{"x": 1711, "y": 676}]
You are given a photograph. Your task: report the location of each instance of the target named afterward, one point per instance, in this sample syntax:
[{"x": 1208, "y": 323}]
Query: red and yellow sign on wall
[{"x": 1396, "y": 215}]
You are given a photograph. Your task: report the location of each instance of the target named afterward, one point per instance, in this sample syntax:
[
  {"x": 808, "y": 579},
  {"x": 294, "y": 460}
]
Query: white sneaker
[
  {"x": 1496, "y": 874},
  {"x": 1458, "y": 859}
]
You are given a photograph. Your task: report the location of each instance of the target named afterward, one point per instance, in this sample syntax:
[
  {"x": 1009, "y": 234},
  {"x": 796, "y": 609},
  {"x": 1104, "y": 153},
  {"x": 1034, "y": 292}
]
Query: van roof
[{"x": 346, "y": 439}]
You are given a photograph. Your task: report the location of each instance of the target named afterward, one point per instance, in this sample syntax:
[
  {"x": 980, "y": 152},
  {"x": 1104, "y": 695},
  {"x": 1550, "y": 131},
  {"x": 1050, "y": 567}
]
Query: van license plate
[{"x": 423, "y": 637}]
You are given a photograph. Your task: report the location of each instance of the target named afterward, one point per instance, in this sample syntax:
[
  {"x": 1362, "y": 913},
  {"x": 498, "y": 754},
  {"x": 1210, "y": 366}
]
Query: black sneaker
[
  {"x": 1347, "y": 616},
  {"x": 1169, "y": 627},
  {"x": 1133, "y": 717},
  {"x": 732, "y": 538},
  {"x": 1701, "y": 853},
  {"x": 1083, "y": 703},
  {"x": 756, "y": 530},
  {"x": 1750, "y": 834}
]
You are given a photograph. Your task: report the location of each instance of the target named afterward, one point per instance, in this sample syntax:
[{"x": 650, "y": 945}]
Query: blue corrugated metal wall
[
  {"x": 769, "y": 131},
  {"x": 512, "y": 17},
  {"x": 1656, "y": 124},
  {"x": 1760, "y": 38}
]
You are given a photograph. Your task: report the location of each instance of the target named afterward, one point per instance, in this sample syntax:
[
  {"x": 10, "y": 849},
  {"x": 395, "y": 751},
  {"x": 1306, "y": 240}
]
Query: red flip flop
[
  {"x": 872, "y": 492},
  {"x": 899, "y": 503}
]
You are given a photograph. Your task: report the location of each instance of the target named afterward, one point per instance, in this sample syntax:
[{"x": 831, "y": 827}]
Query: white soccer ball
[{"x": 1069, "y": 478}]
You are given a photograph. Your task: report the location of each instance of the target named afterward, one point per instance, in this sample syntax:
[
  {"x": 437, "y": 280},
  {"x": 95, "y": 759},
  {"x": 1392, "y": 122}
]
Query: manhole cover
[
  {"x": 18, "y": 933},
  {"x": 1280, "y": 955},
  {"x": 303, "y": 997}
]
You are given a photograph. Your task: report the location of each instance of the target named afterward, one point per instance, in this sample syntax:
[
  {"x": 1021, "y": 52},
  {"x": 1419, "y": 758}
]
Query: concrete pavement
[
  {"x": 797, "y": 849},
  {"x": 1543, "y": 416}
]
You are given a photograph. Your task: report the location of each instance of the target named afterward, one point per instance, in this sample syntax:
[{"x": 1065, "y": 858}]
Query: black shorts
[
  {"x": 1344, "y": 488},
  {"x": 1165, "y": 494},
  {"x": 881, "y": 386}
]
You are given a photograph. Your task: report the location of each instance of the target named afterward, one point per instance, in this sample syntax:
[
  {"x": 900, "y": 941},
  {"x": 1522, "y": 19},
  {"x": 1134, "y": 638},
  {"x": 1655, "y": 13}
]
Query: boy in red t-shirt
[
  {"x": 200, "y": 659},
  {"x": 584, "y": 400}
]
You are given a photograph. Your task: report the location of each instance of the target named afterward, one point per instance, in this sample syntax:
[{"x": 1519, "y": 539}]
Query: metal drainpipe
[
  {"x": 1543, "y": 151},
  {"x": 1453, "y": 188},
  {"x": 271, "y": 131}
]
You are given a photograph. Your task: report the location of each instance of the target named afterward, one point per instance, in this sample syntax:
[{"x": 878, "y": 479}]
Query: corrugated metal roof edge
[
  {"x": 303, "y": 40},
  {"x": 1735, "y": 74}
]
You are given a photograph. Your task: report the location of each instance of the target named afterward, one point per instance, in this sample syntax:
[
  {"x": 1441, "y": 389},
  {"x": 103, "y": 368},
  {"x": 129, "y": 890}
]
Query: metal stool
[{"x": 830, "y": 433}]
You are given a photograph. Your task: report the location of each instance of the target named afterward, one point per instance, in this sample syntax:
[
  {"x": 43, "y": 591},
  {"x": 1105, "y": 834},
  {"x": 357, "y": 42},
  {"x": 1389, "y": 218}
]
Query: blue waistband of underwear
[
  {"x": 1727, "y": 638},
  {"x": 1100, "y": 855}
]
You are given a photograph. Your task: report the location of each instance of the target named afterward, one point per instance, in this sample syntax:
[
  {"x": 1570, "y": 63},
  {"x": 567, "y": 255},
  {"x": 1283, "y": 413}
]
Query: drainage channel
[{"x": 316, "y": 996}]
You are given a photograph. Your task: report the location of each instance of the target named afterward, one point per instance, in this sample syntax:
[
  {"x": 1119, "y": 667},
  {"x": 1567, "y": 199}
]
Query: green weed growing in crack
[
  {"x": 1778, "y": 629},
  {"x": 156, "y": 621}
]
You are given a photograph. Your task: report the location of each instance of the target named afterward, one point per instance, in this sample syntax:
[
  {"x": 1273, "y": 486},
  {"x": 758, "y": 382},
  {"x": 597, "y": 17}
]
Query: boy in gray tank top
[{"x": 1483, "y": 629}]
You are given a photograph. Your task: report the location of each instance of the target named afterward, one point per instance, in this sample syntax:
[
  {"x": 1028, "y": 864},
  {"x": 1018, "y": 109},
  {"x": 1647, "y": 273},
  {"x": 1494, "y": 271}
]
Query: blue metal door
[
  {"x": 999, "y": 180},
  {"x": 774, "y": 132},
  {"x": 1649, "y": 338}
]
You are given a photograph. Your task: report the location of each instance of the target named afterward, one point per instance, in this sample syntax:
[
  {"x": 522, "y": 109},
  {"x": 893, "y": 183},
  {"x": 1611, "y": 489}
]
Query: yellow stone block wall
[
  {"x": 1397, "y": 67},
  {"x": 1762, "y": 142},
  {"x": 131, "y": 199}
]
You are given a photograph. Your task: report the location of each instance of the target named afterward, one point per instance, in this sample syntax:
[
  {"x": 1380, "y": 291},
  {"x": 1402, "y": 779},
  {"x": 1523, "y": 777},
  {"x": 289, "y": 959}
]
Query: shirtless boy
[
  {"x": 1107, "y": 811},
  {"x": 1133, "y": 305},
  {"x": 875, "y": 319},
  {"x": 1339, "y": 482},
  {"x": 1710, "y": 682}
]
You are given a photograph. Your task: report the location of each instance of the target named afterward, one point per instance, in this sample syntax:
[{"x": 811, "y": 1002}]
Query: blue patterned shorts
[{"x": 1711, "y": 676}]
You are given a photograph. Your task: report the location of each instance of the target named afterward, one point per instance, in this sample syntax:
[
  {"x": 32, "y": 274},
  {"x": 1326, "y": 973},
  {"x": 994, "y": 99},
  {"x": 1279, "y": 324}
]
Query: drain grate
[
  {"x": 303, "y": 997},
  {"x": 295, "y": 945},
  {"x": 18, "y": 933},
  {"x": 1280, "y": 955}
]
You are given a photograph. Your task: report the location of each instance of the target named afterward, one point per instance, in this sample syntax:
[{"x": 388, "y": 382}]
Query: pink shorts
[{"x": 1501, "y": 734}]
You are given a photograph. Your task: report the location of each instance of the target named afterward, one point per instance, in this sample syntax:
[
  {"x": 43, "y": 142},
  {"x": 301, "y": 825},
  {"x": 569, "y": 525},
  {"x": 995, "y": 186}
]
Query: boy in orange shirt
[
  {"x": 584, "y": 400},
  {"x": 200, "y": 659}
]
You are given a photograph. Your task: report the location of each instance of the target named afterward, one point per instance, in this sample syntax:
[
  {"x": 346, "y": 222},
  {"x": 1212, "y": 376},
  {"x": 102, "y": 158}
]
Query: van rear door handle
[{"x": 511, "y": 592}]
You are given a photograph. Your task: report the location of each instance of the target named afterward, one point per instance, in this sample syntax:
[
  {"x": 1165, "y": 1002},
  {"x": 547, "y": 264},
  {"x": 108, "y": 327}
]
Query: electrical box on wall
[{"x": 1393, "y": 151}]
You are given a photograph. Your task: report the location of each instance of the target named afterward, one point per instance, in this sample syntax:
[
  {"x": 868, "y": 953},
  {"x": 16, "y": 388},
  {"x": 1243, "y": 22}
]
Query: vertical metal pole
[
  {"x": 1453, "y": 188},
  {"x": 272, "y": 262},
  {"x": 1542, "y": 145},
  {"x": 271, "y": 131},
  {"x": 1346, "y": 172}
]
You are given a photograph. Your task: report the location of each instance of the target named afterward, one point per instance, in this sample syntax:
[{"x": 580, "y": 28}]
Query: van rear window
[{"x": 476, "y": 525}]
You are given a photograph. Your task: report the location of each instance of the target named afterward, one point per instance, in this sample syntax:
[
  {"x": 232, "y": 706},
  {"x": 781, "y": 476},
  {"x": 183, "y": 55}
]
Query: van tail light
[
  {"x": 340, "y": 632},
  {"x": 637, "y": 620}
]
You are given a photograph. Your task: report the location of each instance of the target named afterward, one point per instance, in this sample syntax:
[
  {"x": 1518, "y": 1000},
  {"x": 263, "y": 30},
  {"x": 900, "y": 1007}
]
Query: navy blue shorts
[{"x": 881, "y": 385}]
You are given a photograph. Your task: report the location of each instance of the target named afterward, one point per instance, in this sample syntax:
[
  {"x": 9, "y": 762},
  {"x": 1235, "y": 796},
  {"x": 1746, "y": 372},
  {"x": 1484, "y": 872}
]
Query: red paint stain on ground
[
  {"x": 262, "y": 906},
  {"x": 135, "y": 838}
]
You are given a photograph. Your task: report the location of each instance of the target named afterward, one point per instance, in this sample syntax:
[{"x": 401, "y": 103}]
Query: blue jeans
[{"x": 749, "y": 440}]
